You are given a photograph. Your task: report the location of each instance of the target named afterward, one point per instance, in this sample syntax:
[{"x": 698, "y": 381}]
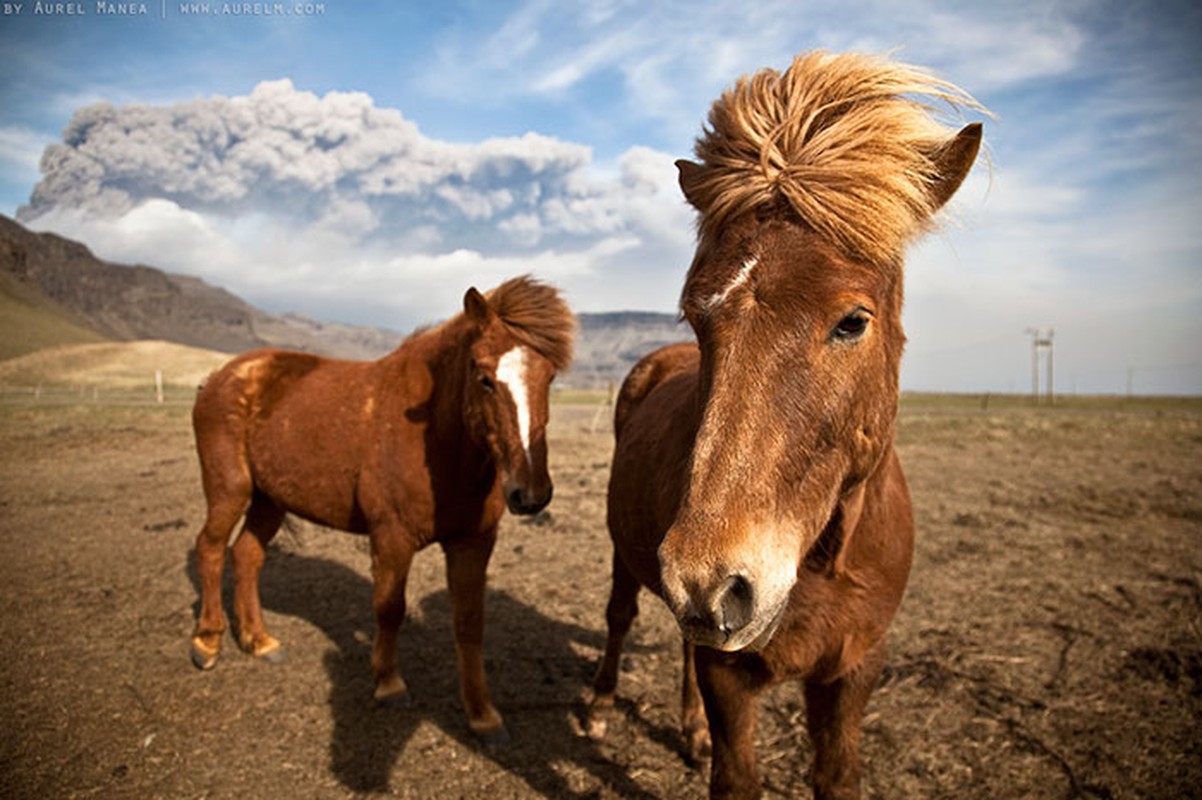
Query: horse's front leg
[
  {"x": 391, "y": 556},
  {"x": 730, "y": 690},
  {"x": 693, "y": 723},
  {"x": 467, "y": 560},
  {"x": 834, "y": 711}
]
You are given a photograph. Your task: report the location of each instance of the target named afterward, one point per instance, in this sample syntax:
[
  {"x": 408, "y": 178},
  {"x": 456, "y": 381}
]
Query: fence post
[{"x": 158, "y": 385}]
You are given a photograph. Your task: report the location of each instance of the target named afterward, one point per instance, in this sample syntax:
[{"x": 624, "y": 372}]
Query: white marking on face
[
  {"x": 511, "y": 371},
  {"x": 738, "y": 280}
]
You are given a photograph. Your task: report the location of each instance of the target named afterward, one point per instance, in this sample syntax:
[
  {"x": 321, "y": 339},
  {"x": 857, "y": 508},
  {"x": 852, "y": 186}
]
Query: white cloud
[
  {"x": 333, "y": 160},
  {"x": 343, "y": 209},
  {"x": 332, "y": 206},
  {"x": 671, "y": 58}
]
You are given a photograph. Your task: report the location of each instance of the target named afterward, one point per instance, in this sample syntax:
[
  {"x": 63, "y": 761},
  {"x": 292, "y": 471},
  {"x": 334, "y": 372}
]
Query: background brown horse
[
  {"x": 755, "y": 487},
  {"x": 428, "y": 444}
]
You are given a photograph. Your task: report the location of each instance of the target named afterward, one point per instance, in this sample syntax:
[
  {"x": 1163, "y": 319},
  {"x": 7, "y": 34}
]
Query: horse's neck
[{"x": 444, "y": 353}]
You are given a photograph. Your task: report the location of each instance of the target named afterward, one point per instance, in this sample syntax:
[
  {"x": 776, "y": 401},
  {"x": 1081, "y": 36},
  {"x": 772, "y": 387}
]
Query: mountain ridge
[{"x": 51, "y": 277}]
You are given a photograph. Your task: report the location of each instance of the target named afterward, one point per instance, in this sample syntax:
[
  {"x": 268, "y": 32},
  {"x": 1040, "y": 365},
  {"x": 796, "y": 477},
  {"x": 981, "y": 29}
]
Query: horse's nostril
[{"x": 735, "y": 603}]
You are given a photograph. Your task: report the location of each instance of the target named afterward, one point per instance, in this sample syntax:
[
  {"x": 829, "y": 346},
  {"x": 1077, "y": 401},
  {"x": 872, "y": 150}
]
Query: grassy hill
[{"x": 26, "y": 327}]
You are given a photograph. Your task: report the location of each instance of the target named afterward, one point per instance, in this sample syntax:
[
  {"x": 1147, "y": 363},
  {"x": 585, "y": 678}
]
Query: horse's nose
[
  {"x": 715, "y": 616},
  {"x": 528, "y": 501}
]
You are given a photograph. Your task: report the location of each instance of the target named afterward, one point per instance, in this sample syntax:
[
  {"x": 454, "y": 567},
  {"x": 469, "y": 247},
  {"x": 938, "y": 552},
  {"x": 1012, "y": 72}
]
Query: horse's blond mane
[
  {"x": 847, "y": 141},
  {"x": 536, "y": 314}
]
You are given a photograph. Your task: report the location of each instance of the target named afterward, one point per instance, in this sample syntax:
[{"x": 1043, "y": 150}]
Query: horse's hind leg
[
  {"x": 226, "y": 505},
  {"x": 263, "y": 519},
  {"x": 620, "y": 612},
  {"x": 833, "y": 715}
]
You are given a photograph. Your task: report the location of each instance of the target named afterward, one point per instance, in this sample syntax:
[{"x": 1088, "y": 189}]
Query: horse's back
[
  {"x": 293, "y": 425},
  {"x": 650, "y": 372},
  {"x": 655, "y": 422}
]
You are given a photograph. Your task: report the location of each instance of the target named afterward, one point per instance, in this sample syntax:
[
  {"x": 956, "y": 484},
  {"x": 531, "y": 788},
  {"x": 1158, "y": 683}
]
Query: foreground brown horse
[
  {"x": 755, "y": 486},
  {"x": 427, "y": 444}
]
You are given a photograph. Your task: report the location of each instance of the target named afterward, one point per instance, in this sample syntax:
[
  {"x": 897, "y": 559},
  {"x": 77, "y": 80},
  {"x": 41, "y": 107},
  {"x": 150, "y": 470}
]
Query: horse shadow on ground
[{"x": 537, "y": 679}]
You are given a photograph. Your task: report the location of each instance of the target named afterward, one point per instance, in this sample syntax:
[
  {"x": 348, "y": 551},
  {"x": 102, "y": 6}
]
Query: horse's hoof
[
  {"x": 596, "y": 727},
  {"x": 596, "y": 714},
  {"x": 700, "y": 749},
  {"x": 398, "y": 700},
  {"x": 275, "y": 656},
  {"x": 497, "y": 737},
  {"x": 203, "y": 658}
]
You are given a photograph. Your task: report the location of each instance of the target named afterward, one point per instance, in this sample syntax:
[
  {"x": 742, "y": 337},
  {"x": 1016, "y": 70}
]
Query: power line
[{"x": 1041, "y": 341}]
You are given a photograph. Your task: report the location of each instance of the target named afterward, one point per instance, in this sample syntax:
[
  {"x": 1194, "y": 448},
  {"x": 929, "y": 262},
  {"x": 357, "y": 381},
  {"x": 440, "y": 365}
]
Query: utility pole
[{"x": 1041, "y": 340}]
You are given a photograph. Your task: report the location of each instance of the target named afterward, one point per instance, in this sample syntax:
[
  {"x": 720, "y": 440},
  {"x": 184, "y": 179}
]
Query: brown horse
[
  {"x": 427, "y": 444},
  {"x": 755, "y": 486}
]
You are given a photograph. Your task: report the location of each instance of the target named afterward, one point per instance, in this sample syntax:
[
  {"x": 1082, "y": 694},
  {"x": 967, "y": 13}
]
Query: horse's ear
[
  {"x": 953, "y": 162},
  {"x": 476, "y": 306},
  {"x": 691, "y": 175}
]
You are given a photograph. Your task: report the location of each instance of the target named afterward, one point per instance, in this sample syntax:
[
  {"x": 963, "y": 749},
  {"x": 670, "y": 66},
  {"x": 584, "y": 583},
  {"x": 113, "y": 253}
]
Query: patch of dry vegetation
[{"x": 112, "y": 365}]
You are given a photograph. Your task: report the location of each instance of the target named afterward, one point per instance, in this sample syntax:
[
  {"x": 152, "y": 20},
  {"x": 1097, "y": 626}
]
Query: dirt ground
[{"x": 1049, "y": 645}]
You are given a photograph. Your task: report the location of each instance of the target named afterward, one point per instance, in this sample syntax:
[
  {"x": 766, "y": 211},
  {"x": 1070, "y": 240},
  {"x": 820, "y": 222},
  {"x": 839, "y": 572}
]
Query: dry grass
[{"x": 112, "y": 365}]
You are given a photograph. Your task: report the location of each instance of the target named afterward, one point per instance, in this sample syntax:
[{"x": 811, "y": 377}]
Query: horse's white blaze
[
  {"x": 740, "y": 278},
  {"x": 511, "y": 371}
]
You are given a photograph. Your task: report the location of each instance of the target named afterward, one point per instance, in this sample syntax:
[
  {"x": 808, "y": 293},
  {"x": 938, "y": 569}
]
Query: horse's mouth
[{"x": 752, "y": 638}]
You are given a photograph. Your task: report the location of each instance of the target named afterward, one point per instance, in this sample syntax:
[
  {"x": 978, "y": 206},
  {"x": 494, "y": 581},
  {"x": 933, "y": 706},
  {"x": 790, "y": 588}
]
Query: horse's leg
[
  {"x": 620, "y": 612},
  {"x": 693, "y": 723},
  {"x": 263, "y": 519},
  {"x": 227, "y": 492},
  {"x": 730, "y": 691},
  {"x": 391, "y": 557},
  {"x": 833, "y": 715},
  {"x": 467, "y": 560}
]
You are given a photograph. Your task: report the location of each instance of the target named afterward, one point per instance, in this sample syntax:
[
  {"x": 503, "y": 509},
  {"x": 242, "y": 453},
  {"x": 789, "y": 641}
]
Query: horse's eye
[
  {"x": 851, "y": 327},
  {"x": 487, "y": 383}
]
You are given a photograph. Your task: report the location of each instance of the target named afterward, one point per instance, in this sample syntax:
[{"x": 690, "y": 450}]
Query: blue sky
[{"x": 367, "y": 161}]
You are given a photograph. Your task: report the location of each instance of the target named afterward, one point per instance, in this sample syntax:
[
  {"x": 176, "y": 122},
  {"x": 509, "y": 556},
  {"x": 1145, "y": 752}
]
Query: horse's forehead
[
  {"x": 493, "y": 343},
  {"x": 776, "y": 259},
  {"x": 511, "y": 366}
]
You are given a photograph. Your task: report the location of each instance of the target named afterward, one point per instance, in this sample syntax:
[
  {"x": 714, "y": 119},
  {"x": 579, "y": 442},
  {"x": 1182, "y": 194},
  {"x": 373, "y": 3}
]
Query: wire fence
[{"x": 96, "y": 395}]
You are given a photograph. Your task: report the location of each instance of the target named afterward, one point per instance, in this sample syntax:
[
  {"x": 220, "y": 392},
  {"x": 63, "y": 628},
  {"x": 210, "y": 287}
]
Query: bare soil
[{"x": 1049, "y": 645}]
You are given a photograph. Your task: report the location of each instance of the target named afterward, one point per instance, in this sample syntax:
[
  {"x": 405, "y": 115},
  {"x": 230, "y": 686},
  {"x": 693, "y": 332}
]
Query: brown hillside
[
  {"x": 54, "y": 291},
  {"x": 115, "y": 301}
]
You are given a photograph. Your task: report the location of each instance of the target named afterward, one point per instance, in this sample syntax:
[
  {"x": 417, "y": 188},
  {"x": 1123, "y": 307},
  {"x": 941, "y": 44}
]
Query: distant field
[
  {"x": 122, "y": 372},
  {"x": 931, "y": 401}
]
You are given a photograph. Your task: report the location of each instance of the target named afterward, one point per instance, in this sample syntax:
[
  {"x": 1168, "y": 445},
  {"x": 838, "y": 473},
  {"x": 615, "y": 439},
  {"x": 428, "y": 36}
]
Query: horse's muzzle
[
  {"x": 527, "y": 501},
  {"x": 712, "y": 620},
  {"x": 725, "y": 596}
]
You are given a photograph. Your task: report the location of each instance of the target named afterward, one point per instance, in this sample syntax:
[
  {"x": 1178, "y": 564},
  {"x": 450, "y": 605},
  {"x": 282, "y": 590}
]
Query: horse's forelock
[
  {"x": 848, "y": 142},
  {"x": 537, "y": 317}
]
